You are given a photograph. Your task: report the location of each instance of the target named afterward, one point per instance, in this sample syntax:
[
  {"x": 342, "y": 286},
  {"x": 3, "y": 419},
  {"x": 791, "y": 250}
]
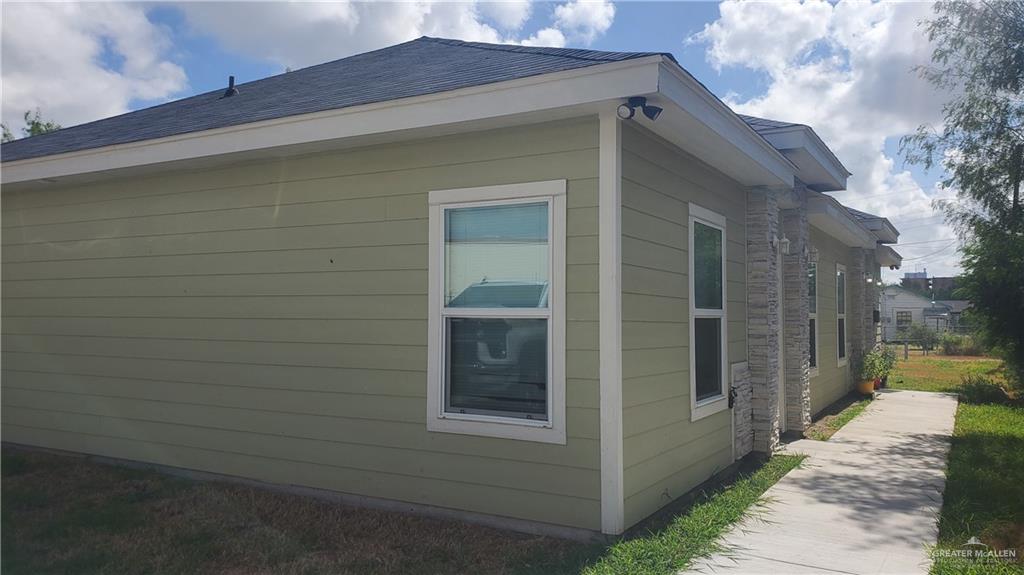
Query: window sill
[
  {"x": 813, "y": 372},
  {"x": 842, "y": 362},
  {"x": 501, "y": 428},
  {"x": 708, "y": 407}
]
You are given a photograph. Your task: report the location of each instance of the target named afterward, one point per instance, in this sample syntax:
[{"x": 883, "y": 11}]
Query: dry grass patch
[
  {"x": 69, "y": 515},
  {"x": 64, "y": 514}
]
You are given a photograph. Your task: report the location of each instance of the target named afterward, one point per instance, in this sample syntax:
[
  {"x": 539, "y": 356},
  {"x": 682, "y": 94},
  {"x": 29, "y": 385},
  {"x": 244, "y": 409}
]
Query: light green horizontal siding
[
  {"x": 268, "y": 320},
  {"x": 832, "y": 381},
  {"x": 665, "y": 455}
]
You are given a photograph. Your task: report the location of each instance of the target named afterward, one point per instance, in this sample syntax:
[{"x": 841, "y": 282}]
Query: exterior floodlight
[
  {"x": 628, "y": 110},
  {"x": 652, "y": 112}
]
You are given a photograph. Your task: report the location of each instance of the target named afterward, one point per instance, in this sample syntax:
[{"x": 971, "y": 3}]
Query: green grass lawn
[
  {"x": 63, "y": 514},
  {"x": 941, "y": 373},
  {"x": 984, "y": 495}
]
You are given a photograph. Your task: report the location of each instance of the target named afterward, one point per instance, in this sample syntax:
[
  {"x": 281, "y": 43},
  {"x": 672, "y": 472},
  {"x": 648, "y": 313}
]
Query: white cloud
[
  {"x": 294, "y": 35},
  {"x": 764, "y": 35},
  {"x": 551, "y": 37},
  {"x": 80, "y": 62},
  {"x": 846, "y": 70},
  {"x": 584, "y": 20},
  {"x": 507, "y": 14}
]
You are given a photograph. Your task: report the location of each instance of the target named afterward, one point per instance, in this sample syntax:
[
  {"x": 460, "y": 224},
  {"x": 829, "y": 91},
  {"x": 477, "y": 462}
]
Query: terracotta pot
[{"x": 866, "y": 387}]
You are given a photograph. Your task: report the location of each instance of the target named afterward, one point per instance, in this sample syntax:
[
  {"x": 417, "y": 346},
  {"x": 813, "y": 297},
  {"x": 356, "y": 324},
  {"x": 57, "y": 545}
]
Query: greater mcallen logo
[{"x": 975, "y": 549}]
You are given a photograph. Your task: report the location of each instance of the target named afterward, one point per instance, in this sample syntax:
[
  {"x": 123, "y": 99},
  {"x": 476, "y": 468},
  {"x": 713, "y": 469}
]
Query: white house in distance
[
  {"x": 546, "y": 289},
  {"x": 901, "y": 308}
]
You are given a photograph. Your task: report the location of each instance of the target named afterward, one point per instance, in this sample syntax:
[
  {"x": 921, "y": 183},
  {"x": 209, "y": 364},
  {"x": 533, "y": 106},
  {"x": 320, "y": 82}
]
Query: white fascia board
[
  {"x": 883, "y": 230},
  {"x": 828, "y": 215},
  {"x": 522, "y": 96},
  {"x": 705, "y": 127},
  {"x": 886, "y": 256},
  {"x": 826, "y": 173}
]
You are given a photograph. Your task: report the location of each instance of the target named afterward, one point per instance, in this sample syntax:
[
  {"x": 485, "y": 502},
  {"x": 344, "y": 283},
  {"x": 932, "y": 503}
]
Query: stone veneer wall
[
  {"x": 742, "y": 410},
  {"x": 796, "y": 329},
  {"x": 856, "y": 296},
  {"x": 871, "y": 294},
  {"x": 762, "y": 316}
]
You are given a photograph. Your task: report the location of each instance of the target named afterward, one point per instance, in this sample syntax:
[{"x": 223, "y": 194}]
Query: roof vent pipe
[{"x": 232, "y": 90}]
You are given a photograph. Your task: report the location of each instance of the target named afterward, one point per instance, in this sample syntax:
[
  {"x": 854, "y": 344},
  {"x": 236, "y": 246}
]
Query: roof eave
[
  {"x": 530, "y": 96},
  {"x": 888, "y": 257},
  {"x": 818, "y": 166},
  {"x": 751, "y": 159},
  {"x": 827, "y": 214}
]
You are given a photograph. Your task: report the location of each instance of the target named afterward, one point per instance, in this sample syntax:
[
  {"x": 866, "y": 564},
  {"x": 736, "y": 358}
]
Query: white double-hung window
[
  {"x": 841, "y": 314},
  {"x": 496, "y": 340},
  {"x": 708, "y": 318}
]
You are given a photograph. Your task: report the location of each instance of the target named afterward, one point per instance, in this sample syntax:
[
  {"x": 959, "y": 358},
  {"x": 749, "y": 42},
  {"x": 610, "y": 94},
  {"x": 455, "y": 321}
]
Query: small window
[
  {"x": 841, "y": 313},
  {"x": 812, "y": 297},
  {"x": 904, "y": 319},
  {"x": 496, "y": 341},
  {"x": 708, "y": 318}
]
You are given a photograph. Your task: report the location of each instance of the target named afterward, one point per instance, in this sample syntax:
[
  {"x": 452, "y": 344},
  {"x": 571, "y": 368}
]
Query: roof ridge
[{"x": 541, "y": 50}]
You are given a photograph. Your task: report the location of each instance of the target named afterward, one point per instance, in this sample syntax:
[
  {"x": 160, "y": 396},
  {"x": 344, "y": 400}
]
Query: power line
[
  {"x": 933, "y": 216},
  {"x": 930, "y": 225},
  {"x": 951, "y": 244},
  {"x": 925, "y": 242}
]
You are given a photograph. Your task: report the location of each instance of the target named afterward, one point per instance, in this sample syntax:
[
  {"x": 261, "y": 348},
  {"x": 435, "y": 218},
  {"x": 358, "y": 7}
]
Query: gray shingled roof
[
  {"x": 761, "y": 125},
  {"x": 422, "y": 66},
  {"x": 863, "y": 215}
]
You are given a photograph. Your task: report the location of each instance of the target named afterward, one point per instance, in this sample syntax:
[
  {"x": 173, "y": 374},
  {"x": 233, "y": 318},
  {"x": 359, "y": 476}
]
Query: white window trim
[
  {"x": 711, "y": 405},
  {"x": 814, "y": 315},
  {"x": 842, "y": 360},
  {"x": 552, "y": 430}
]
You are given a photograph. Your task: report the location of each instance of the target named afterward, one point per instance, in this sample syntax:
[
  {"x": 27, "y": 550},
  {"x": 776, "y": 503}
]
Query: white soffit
[
  {"x": 818, "y": 167},
  {"x": 699, "y": 123},
  {"x": 829, "y": 216},
  {"x": 887, "y": 257},
  {"x": 883, "y": 229}
]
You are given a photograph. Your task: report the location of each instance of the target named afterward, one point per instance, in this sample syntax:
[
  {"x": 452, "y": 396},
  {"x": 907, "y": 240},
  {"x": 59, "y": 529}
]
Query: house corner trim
[{"x": 610, "y": 315}]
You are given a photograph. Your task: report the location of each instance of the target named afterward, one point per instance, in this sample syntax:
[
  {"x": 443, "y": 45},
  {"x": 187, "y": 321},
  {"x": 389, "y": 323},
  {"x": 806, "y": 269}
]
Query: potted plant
[
  {"x": 873, "y": 369},
  {"x": 888, "y": 364},
  {"x": 866, "y": 370}
]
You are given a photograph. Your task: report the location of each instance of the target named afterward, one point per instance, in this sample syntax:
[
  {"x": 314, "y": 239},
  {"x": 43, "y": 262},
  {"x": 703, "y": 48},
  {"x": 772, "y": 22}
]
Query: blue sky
[{"x": 842, "y": 67}]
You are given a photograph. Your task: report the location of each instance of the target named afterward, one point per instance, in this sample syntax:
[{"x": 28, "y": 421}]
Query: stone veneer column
[
  {"x": 762, "y": 316},
  {"x": 871, "y": 294},
  {"x": 742, "y": 410},
  {"x": 795, "y": 322},
  {"x": 855, "y": 293}
]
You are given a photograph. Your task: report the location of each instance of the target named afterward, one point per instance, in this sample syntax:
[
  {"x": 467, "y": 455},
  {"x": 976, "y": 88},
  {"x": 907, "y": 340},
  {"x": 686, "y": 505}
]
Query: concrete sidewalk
[{"x": 866, "y": 501}]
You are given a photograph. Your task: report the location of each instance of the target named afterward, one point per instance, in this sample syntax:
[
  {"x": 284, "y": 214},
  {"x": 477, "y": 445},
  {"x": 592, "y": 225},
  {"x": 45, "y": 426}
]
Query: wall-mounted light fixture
[
  {"x": 628, "y": 110},
  {"x": 784, "y": 245}
]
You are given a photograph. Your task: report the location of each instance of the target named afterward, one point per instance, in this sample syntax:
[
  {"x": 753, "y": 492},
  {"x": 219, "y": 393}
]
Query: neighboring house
[
  {"x": 956, "y": 309},
  {"x": 446, "y": 274},
  {"x": 901, "y": 308}
]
